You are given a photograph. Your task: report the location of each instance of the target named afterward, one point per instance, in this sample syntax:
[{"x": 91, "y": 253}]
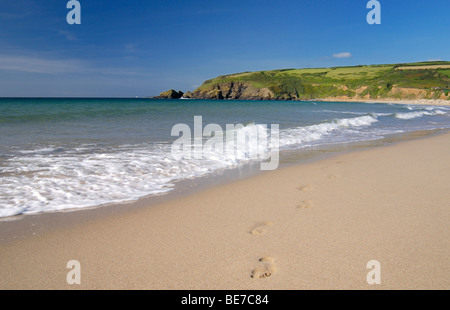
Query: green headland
[{"x": 410, "y": 81}]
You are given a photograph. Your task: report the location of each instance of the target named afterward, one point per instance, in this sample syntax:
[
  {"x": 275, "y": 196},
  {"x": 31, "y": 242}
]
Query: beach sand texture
[{"x": 310, "y": 226}]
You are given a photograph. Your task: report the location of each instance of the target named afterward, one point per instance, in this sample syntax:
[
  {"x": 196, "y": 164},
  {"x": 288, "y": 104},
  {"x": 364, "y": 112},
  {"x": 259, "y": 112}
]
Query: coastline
[
  {"x": 311, "y": 226},
  {"x": 434, "y": 102}
]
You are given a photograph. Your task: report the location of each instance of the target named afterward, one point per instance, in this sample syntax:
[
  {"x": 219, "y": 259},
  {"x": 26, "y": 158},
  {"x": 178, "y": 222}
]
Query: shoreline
[
  {"x": 22, "y": 226},
  {"x": 433, "y": 102},
  {"x": 310, "y": 226}
]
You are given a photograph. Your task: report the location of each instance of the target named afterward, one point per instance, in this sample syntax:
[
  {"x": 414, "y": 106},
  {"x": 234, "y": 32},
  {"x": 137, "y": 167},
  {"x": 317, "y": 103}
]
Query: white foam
[
  {"x": 381, "y": 114},
  {"x": 409, "y": 115},
  {"x": 300, "y": 135},
  {"x": 416, "y": 114},
  {"x": 54, "y": 178},
  {"x": 439, "y": 112},
  {"x": 37, "y": 181},
  {"x": 341, "y": 112}
]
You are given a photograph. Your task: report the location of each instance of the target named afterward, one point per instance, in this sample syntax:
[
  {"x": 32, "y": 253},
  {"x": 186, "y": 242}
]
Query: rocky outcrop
[
  {"x": 245, "y": 91},
  {"x": 170, "y": 94},
  {"x": 233, "y": 90},
  {"x": 188, "y": 95}
]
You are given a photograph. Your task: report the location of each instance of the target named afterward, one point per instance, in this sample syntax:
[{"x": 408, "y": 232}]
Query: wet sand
[{"x": 307, "y": 226}]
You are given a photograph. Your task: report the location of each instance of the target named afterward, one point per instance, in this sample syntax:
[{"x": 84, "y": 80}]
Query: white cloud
[
  {"x": 39, "y": 64},
  {"x": 342, "y": 55},
  {"x": 34, "y": 64}
]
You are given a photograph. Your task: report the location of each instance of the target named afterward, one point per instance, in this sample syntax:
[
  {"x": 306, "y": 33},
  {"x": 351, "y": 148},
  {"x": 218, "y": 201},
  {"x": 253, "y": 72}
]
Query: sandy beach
[
  {"x": 308, "y": 226},
  {"x": 432, "y": 102}
]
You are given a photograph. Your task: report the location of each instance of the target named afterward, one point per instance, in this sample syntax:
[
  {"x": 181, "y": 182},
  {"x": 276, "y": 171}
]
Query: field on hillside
[{"x": 375, "y": 81}]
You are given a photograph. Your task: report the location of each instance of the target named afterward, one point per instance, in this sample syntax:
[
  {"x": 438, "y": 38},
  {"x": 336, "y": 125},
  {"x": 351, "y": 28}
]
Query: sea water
[{"x": 58, "y": 154}]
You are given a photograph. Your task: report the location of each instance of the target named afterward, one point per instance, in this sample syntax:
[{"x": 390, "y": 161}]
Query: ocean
[{"x": 59, "y": 154}]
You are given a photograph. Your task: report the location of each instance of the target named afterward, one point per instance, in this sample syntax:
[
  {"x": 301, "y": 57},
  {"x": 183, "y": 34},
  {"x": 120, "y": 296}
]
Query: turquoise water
[{"x": 57, "y": 154}]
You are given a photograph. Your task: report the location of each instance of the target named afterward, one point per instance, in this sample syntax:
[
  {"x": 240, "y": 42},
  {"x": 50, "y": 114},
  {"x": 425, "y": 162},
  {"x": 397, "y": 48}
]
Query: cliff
[
  {"x": 232, "y": 90},
  {"x": 411, "y": 81}
]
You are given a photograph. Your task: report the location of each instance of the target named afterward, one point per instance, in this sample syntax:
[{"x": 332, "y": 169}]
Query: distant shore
[
  {"x": 308, "y": 226},
  {"x": 407, "y": 82},
  {"x": 435, "y": 102}
]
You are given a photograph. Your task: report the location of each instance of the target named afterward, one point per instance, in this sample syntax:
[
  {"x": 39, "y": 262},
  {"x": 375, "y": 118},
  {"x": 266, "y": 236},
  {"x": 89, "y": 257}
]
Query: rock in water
[
  {"x": 170, "y": 94},
  {"x": 188, "y": 94}
]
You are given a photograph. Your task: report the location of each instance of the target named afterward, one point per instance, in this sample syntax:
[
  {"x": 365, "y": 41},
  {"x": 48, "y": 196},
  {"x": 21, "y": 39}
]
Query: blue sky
[{"x": 143, "y": 47}]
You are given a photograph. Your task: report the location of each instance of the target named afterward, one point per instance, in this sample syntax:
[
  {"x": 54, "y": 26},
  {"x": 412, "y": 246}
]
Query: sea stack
[{"x": 170, "y": 94}]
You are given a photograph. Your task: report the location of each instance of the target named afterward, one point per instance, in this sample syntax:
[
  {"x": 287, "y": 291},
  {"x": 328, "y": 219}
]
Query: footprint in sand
[
  {"x": 305, "y": 204},
  {"x": 260, "y": 228},
  {"x": 306, "y": 188},
  {"x": 332, "y": 176},
  {"x": 265, "y": 269}
]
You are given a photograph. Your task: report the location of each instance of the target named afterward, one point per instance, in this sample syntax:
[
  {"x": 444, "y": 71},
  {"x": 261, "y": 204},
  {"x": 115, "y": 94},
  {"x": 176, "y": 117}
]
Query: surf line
[{"x": 238, "y": 142}]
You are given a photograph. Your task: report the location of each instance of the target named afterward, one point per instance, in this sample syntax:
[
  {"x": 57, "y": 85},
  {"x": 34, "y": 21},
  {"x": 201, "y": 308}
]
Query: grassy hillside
[{"x": 423, "y": 80}]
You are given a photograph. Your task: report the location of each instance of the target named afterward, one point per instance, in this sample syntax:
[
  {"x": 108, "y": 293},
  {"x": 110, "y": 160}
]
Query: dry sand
[{"x": 311, "y": 226}]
